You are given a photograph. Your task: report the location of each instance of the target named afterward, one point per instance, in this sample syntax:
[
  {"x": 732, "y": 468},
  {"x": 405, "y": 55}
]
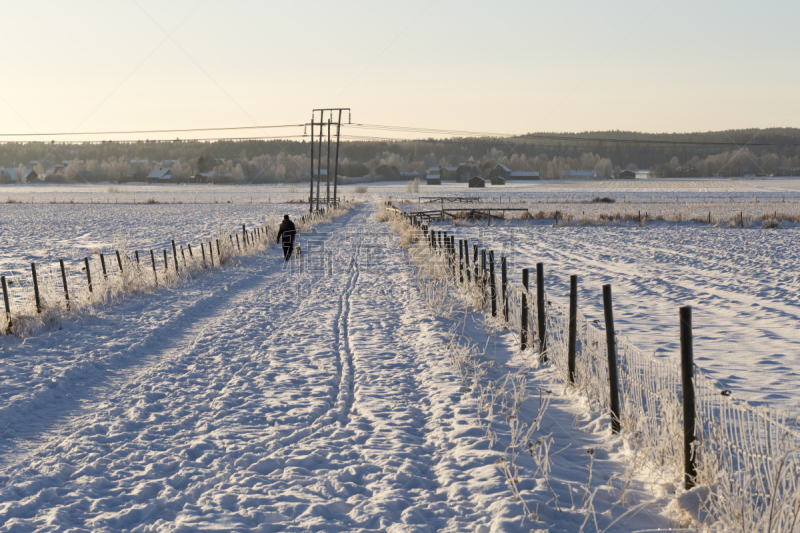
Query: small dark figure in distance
[{"x": 286, "y": 232}]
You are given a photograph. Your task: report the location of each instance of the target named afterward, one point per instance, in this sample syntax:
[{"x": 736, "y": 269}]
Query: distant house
[
  {"x": 200, "y": 177},
  {"x": 528, "y": 176},
  {"x": 497, "y": 180},
  {"x": 476, "y": 182},
  {"x": 433, "y": 179},
  {"x": 627, "y": 175},
  {"x": 642, "y": 174},
  {"x": 12, "y": 175},
  {"x": 500, "y": 171},
  {"x": 160, "y": 176},
  {"x": 434, "y": 173}
]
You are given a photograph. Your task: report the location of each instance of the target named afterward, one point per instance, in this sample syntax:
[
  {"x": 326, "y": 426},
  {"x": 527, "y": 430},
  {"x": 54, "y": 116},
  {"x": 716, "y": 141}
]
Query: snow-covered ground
[
  {"x": 260, "y": 399},
  {"x": 265, "y": 400}
]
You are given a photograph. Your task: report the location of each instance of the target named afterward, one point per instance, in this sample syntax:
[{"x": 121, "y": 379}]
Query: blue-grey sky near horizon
[{"x": 508, "y": 66}]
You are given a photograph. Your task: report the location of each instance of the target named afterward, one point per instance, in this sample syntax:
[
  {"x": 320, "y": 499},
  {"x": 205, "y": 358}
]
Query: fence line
[
  {"x": 59, "y": 288},
  {"x": 747, "y": 457}
]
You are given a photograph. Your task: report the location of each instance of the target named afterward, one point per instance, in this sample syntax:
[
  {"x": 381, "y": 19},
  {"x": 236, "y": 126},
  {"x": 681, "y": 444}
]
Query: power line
[{"x": 137, "y": 132}]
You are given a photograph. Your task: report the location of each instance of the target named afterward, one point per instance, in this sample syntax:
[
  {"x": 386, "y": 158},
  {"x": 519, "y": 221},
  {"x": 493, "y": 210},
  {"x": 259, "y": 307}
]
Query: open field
[{"x": 258, "y": 395}]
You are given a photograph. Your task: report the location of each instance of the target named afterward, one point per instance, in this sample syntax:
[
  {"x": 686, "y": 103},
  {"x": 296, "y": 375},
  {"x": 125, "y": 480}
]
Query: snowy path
[{"x": 258, "y": 399}]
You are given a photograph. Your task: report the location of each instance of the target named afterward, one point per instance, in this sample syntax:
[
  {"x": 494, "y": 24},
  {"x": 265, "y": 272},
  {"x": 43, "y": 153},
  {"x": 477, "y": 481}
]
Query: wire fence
[
  {"x": 54, "y": 290},
  {"x": 745, "y": 459}
]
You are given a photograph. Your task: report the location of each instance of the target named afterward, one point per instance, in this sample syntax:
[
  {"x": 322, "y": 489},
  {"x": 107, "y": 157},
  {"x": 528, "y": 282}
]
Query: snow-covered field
[{"x": 260, "y": 399}]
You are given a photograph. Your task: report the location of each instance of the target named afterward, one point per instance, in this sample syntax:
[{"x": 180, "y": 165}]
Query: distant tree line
[{"x": 257, "y": 161}]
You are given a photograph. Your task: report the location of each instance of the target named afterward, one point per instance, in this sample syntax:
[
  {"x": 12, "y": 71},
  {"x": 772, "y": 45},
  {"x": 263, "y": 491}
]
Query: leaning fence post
[
  {"x": 211, "y": 254},
  {"x": 237, "y": 243},
  {"x": 219, "y": 254},
  {"x": 136, "y": 253},
  {"x": 523, "y": 326},
  {"x": 88, "y": 273},
  {"x": 166, "y": 263},
  {"x": 64, "y": 279},
  {"x": 203, "y": 250},
  {"x": 611, "y": 349},
  {"x": 687, "y": 392},
  {"x": 155, "y": 274},
  {"x": 244, "y": 234},
  {"x": 174, "y": 255},
  {"x": 191, "y": 255},
  {"x": 119, "y": 262},
  {"x": 540, "y": 311},
  {"x": 504, "y": 286},
  {"x": 5, "y": 301},
  {"x": 103, "y": 264},
  {"x": 36, "y": 289},
  {"x": 492, "y": 285},
  {"x": 573, "y": 326}
]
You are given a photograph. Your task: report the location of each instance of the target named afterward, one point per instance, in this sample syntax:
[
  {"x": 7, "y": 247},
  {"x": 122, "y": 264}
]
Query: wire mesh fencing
[{"x": 746, "y": 458}]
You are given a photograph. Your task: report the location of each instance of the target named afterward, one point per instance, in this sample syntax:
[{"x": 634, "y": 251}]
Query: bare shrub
[
  {"x": 603, "y": 200},
  {"x": 361, "y": 189},
  {"x": 412, "y": 186}
]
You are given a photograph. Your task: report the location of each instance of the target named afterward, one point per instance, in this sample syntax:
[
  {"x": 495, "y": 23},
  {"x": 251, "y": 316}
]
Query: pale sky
[{"x": 508, "y": 66}]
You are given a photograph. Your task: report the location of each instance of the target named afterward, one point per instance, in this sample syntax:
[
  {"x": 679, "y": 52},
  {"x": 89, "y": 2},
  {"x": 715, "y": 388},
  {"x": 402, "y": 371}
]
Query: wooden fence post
[
  {"x": 36, "y": 289},
  {"x": 611, "y": 348},
  {"x": 523, "y": 326},
  {"x": 88, "y": 273},
  {"x": 155, "y": 274},
  {"x": 211, "y": 254},
  {"x": 183, "y": 256},
  {"x": 136, "y": 253},
  {"x": 461, "y": 260},
  {"x": 5, "y": 301},
  {"x": 475, "y": 261},
  {"x": 453, "y": 256},
  {"x": 504, "y": 286},
  {"x": 541, "y": 312},
  {"x": 483, "y": 275},
  {"x": 466, "y": 261},
  {"x": 64, "y": 280},
  {"x": 203, "y": 251},
  {"x": 166, "y": 263},
  {"x": 219, "y": 254},
  {"x": 244, "y": 234},
  {"x": 174, "y": 255},
  {"x": 492, "y": 285},
  {"x": 237, "y": 244},
  {"x": 573, "y": 326},
  {"x": 103, "y": 264},
  {"x": 687, "y": 393}
]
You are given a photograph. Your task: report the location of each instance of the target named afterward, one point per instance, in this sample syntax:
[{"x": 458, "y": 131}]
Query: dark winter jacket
[{"x": 287, "y": 231}]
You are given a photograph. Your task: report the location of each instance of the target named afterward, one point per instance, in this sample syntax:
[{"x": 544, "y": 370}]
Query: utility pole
[
  {"x": 335, "y": 199},
  {"x": 328, "y": 172},
  {"x": 311, "y": 194},
  {"x": 319, "y": 158},
  {"x": 336, "y": 163}
]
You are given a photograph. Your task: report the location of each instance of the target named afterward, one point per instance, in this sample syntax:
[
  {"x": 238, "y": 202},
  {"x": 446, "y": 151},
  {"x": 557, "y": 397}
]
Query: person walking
[{"x": 286, "y": 233}]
